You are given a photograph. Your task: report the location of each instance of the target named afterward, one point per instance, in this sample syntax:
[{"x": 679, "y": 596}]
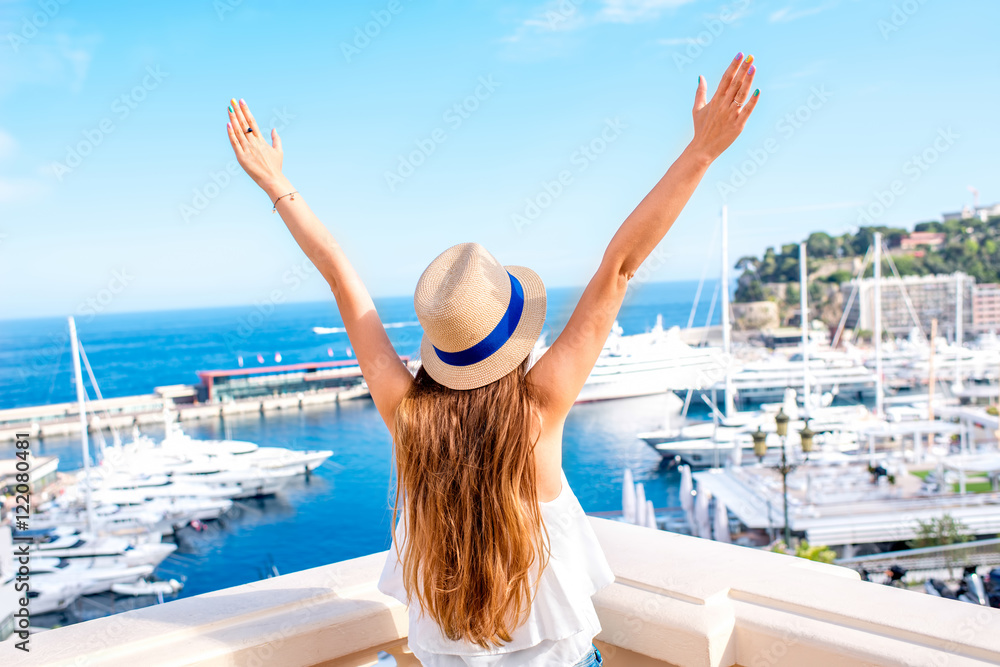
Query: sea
[{"x": 344, "y": 509}]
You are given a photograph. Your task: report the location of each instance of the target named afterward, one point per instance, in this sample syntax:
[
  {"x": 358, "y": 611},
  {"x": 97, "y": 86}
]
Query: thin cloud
[
  {"x": 790, "y": 79},
  {"x": 634, "y": 11},
  {"x": 47, "y": 57},
  {"x": 677, "y": 41},
  {"x": 7, "y": 145},
  {"x": 16, "y": 190},
  {"x": 20, "y": 190},
  {"x": 830, "y": 206},
  {"x": 727, "y": 14},
  {"x": 790, "y": 13},
  {"x": 560, "y": 16}
]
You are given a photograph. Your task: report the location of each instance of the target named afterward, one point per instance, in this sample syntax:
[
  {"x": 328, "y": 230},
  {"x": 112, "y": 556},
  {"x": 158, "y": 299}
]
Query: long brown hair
[{"x": 474, "y": 533}]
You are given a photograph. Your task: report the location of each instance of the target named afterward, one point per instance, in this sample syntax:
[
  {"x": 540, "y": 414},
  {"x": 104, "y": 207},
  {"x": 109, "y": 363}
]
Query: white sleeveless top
[{"x": 562, "y": 621}]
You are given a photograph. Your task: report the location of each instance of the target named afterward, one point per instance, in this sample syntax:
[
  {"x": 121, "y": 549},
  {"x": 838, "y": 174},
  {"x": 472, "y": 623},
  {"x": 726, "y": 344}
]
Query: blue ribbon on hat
[{"x": 496, "y": 338}]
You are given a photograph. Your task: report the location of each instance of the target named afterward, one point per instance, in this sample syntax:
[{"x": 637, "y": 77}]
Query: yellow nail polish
[{"x": 749, "y": 59}]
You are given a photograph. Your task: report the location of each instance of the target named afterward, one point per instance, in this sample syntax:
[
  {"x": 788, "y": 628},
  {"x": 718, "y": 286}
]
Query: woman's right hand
[
  {"x": 259, "y": 159},
  {"x": 719, "y": 122}
]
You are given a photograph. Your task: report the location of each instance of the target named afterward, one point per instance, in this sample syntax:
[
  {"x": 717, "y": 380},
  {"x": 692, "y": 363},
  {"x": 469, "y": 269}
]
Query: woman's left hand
[
  {"x": 718, "y": 122},
  {"x": 259, "y": 159}
]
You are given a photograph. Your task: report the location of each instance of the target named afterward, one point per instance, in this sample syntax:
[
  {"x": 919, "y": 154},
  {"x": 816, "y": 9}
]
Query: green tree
[
  {"x": 845, "y": 242},
  {"x": 909, "y": 265},
  {"x": 819, "y": 553},
  {"x": 839, "y": 276},
  {"x": 768, "y": 266},
  {"x": 792, "y": 294},
  {"x": 940, "y": 532},
  {"x": 821, "y": 244},
  {"x": 748, "y": 290},
  {"x": 932, "y": 226}
]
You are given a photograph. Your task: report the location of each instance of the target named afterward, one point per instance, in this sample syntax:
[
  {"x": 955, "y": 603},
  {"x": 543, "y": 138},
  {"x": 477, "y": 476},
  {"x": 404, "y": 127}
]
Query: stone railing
[{"x": 677, "y": 600}]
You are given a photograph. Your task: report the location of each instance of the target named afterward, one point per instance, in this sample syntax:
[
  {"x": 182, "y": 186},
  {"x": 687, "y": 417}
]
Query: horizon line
[{"x": 140, "y": 311}]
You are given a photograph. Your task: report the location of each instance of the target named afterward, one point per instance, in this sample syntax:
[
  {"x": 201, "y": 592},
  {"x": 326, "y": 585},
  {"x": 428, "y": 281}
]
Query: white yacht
[
  {"x": 179, "y": 453},
  {"x": 48, "y": 596},
  {"x": 146, "y": 587},
  {"x": 91, "y": 580},
  {"x": 764, "y": 381},
  {"x": 161, "y": 515},
  {"x": 712, "y": 443},
  {"x": 107, "y": 551},
  {"x": 654, "y": 362}
]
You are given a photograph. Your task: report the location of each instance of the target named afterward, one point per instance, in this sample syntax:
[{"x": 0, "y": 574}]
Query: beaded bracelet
[{"x": 287, "y": 194}]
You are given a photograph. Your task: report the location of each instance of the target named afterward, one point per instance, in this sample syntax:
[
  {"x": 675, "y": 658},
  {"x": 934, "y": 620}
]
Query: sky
[{"x": 409, "y": 126}]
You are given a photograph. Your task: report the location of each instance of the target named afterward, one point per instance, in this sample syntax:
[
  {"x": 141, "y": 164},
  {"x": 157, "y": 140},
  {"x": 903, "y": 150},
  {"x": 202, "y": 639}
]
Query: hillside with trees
[{"x": 970, "y": 245}]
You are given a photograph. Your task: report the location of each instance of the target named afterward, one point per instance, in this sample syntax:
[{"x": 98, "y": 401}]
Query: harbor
[
  {"x": 341, "y": 510},
  {"x": 250, "y": 390},
  {"x": 702, "y": 452}
]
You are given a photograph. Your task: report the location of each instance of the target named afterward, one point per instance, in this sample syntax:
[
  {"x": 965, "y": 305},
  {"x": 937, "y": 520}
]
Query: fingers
[
  {"x": 251, "y": 122},
  {"x": 241, "y": 120},
  {"x": 700, "y": 94},
  {"x": 741, "y": 72},
  {"x": 748, "y": 108},
  {"x": 729, "y": 74},
  {"x": 233, "y": 140},
  {"x": 743, "y": 88},
  {"x": 238, "y": 126},
  {"x": 275, "y": 139}
]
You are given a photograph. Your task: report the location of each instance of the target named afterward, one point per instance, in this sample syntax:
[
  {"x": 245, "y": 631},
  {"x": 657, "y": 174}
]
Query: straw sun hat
[{"x": 480, "y": 318}]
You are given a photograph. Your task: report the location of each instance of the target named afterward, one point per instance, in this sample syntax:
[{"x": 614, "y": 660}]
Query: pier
[{"x": 220, "y": 394}]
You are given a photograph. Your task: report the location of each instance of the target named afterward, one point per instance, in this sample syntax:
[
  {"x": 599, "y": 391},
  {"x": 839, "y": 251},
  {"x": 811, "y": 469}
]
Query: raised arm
[
  {"x": 563, "y": 369},
  {"x": 387, "y": 376}
]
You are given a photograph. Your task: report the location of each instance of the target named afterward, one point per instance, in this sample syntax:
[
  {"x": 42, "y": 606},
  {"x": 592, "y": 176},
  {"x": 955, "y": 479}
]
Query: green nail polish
[
  {"x": 231, "y": 110},
  {"x": 756, "y": 92}
]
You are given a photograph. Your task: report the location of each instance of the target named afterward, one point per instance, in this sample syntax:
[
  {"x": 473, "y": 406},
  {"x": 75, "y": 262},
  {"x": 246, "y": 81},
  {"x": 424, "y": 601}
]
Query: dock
[{"x": 221, "y": 394}]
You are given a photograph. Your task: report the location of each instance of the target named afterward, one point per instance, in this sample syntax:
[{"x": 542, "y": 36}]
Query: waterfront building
[
  {"x": 42, "y": 472},
  {"x": 240, "y": 383},
  {"x": 986, "y": 307},
  {"x": 984, "y": 213},
  {"x": 915, "y": 240},
  {"x": 929, "y": 297}
]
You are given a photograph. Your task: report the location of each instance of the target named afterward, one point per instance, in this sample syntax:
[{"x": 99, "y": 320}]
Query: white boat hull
[{"x": 94, "y": 580}]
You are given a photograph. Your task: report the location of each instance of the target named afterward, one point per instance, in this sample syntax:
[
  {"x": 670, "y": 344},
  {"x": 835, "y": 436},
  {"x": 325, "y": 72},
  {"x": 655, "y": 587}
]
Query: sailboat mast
[
  {"x": 804, "y": 321},
  {"x": 82, "y": 409},
  {"x": 726, "y": 328},
  {"x": 959, "y": 339},
  {"x": 878, "y": 325}
]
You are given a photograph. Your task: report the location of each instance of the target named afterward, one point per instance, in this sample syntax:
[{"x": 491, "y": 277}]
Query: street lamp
[
  {"x": 759, "y": 444},
  {"x": 807, "y": 439},
  {"x": 781, "y": 422}
]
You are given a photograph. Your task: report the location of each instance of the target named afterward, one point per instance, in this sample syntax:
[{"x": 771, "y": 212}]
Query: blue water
[{"x": 344, "y": 510}]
